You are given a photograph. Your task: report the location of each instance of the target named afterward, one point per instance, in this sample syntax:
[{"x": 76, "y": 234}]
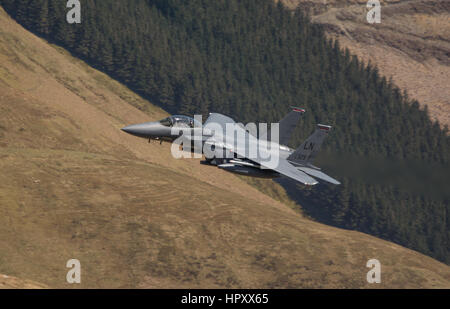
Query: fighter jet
[{"x": 295, "y": 164}]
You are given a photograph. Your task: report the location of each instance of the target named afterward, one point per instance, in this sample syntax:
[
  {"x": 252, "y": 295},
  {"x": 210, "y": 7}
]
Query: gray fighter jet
[{"x": 284, "y": 161}]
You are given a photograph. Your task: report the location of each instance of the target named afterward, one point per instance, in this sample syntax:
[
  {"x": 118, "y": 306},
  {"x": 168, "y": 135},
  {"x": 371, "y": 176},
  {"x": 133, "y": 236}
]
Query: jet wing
[
  {"x": 241, "y": 148},
  {"x": 219, "y": 119}
]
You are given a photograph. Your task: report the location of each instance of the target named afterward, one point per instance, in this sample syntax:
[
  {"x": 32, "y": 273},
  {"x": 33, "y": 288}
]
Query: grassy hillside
[
  {"x": 7, "y": 282},
  {"x": 252, "y": 60},
  {"x": 72, "y": 185}
]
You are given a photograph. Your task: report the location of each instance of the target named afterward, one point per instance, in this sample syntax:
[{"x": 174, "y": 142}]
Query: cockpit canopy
[{"x": 180, "y": 121}]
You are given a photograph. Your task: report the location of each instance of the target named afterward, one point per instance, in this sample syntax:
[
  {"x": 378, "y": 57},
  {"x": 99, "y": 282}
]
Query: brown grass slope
[
  {"x": 8, "y": 282},
  {"x": 72, "y": 185},
  {"x": 411, "y": 44}
]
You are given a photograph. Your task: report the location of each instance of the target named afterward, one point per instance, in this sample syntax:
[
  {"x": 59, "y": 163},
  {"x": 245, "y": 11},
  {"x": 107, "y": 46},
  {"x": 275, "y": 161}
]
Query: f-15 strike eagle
[{"x": 272, "y": 158}]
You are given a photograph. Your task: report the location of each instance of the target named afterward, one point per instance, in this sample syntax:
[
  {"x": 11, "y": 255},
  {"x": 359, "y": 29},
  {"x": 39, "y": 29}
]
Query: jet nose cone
[
  {"x": 147, "y": 129},
  {"x": 129, "y": 129},
  {"x": 133, "y": 129}
]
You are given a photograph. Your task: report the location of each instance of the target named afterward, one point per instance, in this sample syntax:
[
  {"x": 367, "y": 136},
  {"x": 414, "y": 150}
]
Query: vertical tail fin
[{"x": 309, "y": 149}]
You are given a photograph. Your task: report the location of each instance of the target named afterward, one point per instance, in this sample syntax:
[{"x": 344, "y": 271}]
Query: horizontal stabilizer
[
  {"x": 319, "y": 174},
  {"x": 289, "y": 170}
]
